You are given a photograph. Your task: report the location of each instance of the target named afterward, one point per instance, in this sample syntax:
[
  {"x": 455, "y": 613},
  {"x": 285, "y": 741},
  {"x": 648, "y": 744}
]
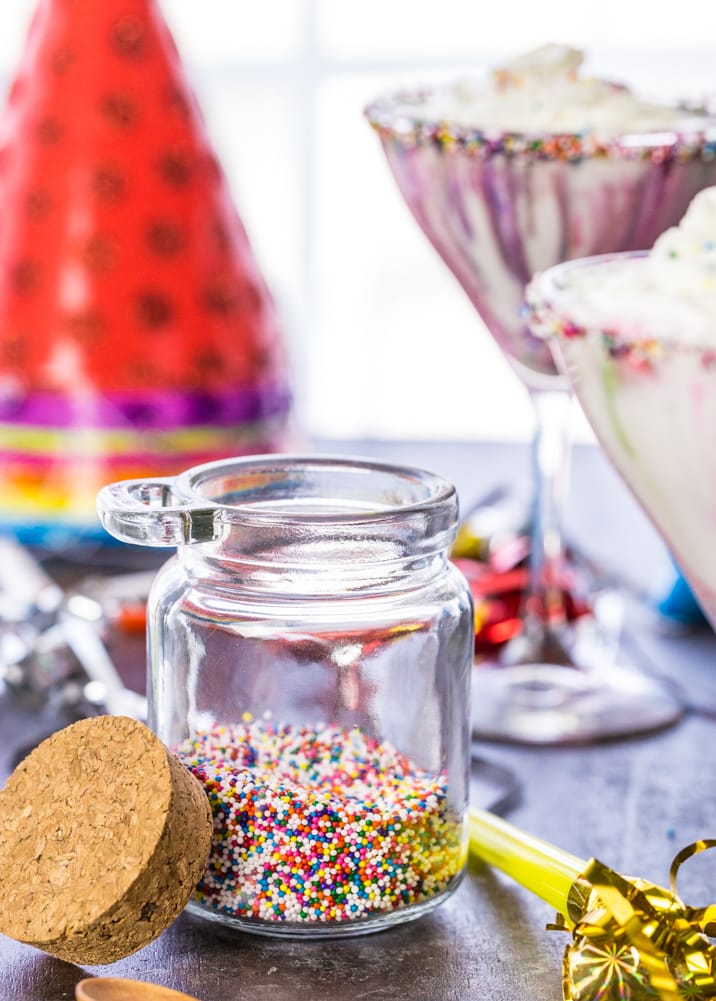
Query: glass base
[
  {"x": 328, "y": 929},
  {"x": 557, "y": 704}
]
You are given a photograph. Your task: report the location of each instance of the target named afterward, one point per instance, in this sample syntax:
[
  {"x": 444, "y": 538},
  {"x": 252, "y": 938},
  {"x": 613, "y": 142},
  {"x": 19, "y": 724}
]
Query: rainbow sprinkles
[
  {"x": 319, "y": 825},
  {"x": 539, "y": 106}
]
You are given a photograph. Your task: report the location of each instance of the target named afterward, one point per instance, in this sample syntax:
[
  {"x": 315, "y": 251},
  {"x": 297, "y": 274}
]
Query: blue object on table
[{"x": 679, "y": 603}]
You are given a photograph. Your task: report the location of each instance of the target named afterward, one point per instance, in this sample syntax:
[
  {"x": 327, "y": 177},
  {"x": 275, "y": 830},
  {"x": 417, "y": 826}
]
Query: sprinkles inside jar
[{"x": 320, "y": 824}]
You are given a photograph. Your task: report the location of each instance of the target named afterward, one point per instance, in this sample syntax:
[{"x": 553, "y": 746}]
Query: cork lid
[{"x": 103, "y": 836}]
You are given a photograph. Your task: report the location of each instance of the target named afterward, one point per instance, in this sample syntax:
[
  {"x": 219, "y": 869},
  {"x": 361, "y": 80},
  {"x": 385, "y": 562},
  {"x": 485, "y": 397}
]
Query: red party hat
[{"x": 137, "y": 335}]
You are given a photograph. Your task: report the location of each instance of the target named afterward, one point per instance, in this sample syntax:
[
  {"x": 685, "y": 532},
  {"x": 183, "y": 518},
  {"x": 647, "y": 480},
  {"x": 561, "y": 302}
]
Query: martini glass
[
  {"x": 499, "y": 207},
  {"x": 650, "y": 397}
]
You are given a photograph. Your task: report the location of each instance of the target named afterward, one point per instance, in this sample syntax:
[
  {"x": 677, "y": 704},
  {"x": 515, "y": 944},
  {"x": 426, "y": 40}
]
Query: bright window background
[{"x": 384, "y": 342}]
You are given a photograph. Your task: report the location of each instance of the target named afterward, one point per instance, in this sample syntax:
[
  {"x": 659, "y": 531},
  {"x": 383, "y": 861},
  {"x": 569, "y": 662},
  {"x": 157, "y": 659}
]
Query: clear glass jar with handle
[{"x": 310, "y": 651}]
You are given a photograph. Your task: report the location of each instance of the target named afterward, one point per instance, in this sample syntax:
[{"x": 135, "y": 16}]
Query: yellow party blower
[{"x": 631, "y": 940}]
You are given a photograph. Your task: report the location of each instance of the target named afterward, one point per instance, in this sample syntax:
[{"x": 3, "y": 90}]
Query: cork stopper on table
[{"x": 103, "y": 836}]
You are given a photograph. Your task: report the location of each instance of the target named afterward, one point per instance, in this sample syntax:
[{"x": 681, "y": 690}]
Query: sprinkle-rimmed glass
[{"x": 499, "y": 207}]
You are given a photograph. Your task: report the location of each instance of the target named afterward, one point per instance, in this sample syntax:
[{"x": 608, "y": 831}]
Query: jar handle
[{"x": 150, "y": 513}]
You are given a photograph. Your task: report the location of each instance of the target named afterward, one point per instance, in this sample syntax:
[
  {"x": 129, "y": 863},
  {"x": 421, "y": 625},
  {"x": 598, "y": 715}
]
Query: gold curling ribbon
[{"x": 635, "y": 940}]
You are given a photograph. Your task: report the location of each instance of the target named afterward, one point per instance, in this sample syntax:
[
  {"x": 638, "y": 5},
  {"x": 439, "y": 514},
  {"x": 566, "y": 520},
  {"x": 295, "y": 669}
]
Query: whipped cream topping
[
  {"x": 684, "y": 257},
  {"x": 542, "y": 92},
  {"x": 669, "y": 294}
]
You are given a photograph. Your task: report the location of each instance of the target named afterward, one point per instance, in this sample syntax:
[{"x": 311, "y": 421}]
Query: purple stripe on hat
[{"x": 146, "y": 410}]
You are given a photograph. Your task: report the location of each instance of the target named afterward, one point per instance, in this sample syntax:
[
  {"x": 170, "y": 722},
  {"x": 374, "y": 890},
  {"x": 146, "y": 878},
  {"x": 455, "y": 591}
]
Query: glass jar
[{"x": 310, "y": 651}]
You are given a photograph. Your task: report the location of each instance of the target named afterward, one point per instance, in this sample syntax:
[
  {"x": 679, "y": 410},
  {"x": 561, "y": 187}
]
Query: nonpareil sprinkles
[{"x": 319, "y": 824}]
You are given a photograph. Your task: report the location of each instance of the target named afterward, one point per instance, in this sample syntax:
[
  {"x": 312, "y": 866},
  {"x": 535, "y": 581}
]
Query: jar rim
[
  {"x": 289, "y": 495},
  {"x": 245, "y": 477}
]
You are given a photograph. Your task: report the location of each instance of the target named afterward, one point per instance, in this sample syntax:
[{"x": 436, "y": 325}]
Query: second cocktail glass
[
  {"x": 644, "y": 369},
  {"x": 499, "y": 207}
]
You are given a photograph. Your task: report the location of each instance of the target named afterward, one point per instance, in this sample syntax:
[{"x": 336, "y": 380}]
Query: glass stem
[{"x": 545, "y": 610}]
